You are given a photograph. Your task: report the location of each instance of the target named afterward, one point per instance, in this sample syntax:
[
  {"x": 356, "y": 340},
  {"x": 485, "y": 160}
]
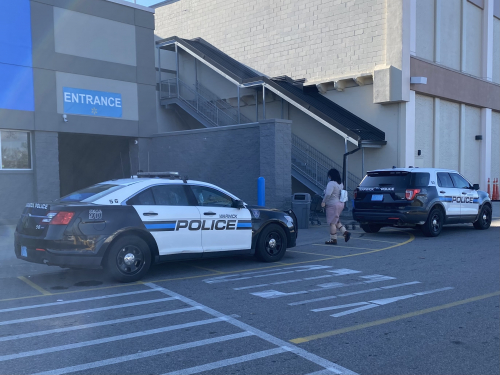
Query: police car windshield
[
  {"x": 90, "y": 193},
  {"x": 395, "y": 179}
]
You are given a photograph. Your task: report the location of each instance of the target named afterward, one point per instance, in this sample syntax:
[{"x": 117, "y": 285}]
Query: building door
[{"x": 87, "y": 159}]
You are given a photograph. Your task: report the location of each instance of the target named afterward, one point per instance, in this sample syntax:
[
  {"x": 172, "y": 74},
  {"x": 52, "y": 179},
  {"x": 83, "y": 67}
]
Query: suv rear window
[
  {"x": 395, "y": 179},
  {"x": 90, "y": 193}
]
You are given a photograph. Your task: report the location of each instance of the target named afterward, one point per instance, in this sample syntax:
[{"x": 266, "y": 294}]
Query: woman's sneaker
[{"x": 331, "y": 242}]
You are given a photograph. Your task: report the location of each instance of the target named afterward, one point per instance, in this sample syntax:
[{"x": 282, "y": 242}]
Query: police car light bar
[{"x": 171, "y": 175}]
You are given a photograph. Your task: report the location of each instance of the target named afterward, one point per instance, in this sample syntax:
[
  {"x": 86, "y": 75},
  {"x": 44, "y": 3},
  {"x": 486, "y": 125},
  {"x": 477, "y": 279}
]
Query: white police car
[
  {"x": 423, "y": 197},
  {"x": 125, "y": 225}
]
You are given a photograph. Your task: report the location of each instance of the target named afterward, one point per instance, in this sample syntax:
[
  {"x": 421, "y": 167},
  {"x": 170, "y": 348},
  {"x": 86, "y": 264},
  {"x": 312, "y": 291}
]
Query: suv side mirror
[
  {"x": 475, "y": 186},
  {"x": 238, "y": 204}
]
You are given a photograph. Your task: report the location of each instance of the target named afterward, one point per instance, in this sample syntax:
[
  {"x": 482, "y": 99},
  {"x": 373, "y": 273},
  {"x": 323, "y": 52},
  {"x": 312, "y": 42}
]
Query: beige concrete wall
[
  {"x": 472, "y": 148},
  {"x": 496, "y": 50},
  {"x": 128, "y": 91},
  {"x": 450, "y": 26},
  {"x": 449, "y": 135},
  {"x": 424, "y": 129},
  {"x": 473, "y": 39},
  {"x": 495, "y": 145},
  {"x": 425, "y": 29},
  {"x": 83, "y": 35},
  {"x": 303, "y": 38}
]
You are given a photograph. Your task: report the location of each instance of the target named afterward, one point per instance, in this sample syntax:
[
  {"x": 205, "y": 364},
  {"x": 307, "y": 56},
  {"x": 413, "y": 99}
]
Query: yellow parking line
[
  {"x": 349, "y": 247},
  {"x": 301, "y": 340},
  {"x": 34, "y": 286},
  {"x": 203, "y": 268},
  {"x": 369, "y": 239},
  {"x": 305, "y": 252},
  {"x": 412, "y": 237}
]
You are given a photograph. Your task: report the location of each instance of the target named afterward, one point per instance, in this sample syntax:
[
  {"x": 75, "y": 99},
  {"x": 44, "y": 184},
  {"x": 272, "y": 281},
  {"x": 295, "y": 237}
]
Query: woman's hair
[{"x": 334, "y": 175}]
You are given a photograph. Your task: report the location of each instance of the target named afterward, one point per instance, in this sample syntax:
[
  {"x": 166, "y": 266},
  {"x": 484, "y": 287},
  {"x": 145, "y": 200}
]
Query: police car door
[
  {"x": 448, "y": 195},
  {"x": 167, "y": 214},
  {"x": 223, "y": 226},
  {"x": 469, "y": 198}
]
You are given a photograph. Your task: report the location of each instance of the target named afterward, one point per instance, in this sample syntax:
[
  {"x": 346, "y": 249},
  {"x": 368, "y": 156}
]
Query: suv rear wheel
[
  {"x": 371, "y": 228},
  {"x": 434, "y": 223}
]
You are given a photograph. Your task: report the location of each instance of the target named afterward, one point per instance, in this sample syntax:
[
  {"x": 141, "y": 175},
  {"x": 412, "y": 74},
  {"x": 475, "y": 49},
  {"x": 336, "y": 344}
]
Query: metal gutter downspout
[{"x": 344, "y": 169}]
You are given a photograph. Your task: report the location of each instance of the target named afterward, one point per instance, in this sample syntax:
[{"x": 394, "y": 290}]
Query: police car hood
[{"x": 261, "y": 208}]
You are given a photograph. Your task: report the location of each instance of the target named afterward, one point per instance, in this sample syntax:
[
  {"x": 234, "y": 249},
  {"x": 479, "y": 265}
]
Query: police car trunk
[{"x": 392, "y": 197}]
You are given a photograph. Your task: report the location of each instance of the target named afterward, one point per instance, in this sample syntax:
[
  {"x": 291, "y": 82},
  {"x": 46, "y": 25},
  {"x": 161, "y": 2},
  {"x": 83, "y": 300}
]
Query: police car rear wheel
[
  {"x": 370, "y": 228},
  {"x": 129, "y": 259},
  {"x": 434, "y": 223},
  {"x": 271, "y": 246},
  {"x": 484, "y": 220}
]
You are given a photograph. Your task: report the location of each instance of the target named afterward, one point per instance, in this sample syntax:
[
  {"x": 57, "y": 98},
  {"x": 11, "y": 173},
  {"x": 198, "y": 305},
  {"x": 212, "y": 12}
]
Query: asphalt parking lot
[{"x": 388, "y": 303}]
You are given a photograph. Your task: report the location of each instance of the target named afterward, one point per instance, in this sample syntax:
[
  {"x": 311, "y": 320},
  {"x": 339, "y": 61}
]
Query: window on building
[{"x": 15, "y": 149}]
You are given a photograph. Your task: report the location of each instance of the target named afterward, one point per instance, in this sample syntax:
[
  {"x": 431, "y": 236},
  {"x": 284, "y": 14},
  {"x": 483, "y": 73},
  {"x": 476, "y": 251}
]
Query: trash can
[{"x": 301, "y": 206}]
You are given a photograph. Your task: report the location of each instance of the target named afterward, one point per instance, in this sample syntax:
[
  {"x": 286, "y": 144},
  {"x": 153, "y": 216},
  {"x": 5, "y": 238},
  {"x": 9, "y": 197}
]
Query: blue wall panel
[{"x": 16, "y": 74}]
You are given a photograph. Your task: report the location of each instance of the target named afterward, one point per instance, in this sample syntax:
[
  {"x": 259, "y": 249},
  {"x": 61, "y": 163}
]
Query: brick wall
[
  {"x": 232, "y": 157},
  {"x": 315, "y": 39}
]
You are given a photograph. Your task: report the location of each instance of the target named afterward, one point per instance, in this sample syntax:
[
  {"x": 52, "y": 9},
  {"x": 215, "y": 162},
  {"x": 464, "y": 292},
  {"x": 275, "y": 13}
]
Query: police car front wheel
[
  {"x": 271, "y": 245},
  {"x": 484, "y": 219},
  {"x": 128, "y": 259}
]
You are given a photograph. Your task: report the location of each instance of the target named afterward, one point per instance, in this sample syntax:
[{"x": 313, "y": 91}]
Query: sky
[{"x": 146, "y": 2}]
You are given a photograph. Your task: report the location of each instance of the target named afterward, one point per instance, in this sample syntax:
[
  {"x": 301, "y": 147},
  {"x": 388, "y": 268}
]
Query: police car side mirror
[
  {"x": 238, "y": 204},
  {"x": 475, "y": 186}
]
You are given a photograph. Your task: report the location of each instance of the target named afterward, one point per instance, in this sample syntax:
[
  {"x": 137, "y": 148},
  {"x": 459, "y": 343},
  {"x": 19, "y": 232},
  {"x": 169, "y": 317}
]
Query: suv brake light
[
  {"x": 59, "y": 218},
  {"x": 355, "y": 194},
  {"x": 411, "y": 194}
]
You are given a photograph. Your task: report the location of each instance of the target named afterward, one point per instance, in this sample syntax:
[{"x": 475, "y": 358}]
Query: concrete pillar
[
  {"x": 437, "y": 110},
  {"x": 46, "y": 166},
  {"x": 437, "y": 31},
  {"x": 462, "y": 139},
  {"x": 463, "y": 44},
  {"x": 413, "y": 27},
  {"x": 409, "y": 131},
  {"x": 487, "y": 52},
  {"x": 276, "y": 161},
  {"x": 485, "y": 159}
]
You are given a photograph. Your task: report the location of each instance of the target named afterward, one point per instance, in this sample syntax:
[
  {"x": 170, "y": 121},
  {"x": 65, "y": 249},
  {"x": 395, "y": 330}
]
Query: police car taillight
[
  {"x": 59, "y": 218},
  {"x": 411, "y": 194},
  {"x": 355, "y": 194}
]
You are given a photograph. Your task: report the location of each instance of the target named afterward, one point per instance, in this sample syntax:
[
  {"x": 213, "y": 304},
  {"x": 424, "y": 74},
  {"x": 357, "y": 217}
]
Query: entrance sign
[{"x": 92, "y": 103}]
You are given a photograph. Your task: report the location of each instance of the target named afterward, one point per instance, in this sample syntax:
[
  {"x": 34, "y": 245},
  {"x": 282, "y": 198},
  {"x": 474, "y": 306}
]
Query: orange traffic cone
[
  {"x": 495, "y": 190},
  {"x": 489, "y": 193}
]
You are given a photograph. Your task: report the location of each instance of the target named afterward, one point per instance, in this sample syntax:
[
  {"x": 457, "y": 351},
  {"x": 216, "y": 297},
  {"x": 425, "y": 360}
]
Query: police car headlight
[{"x": 289, "y": 220}]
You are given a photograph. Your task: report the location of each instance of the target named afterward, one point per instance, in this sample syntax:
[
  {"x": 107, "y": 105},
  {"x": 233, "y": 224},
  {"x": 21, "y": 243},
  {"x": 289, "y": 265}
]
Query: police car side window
[
  {"x": 444, "y": 180},
  {"x": 459, "y": 181},
  {"x": 170, "y": 195},
  {"x": 209, "y": 197},
  {"x": 144, "y": 198}
]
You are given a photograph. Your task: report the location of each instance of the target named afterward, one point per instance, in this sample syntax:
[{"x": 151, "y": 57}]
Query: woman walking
[{"x": 334, "y": 207}]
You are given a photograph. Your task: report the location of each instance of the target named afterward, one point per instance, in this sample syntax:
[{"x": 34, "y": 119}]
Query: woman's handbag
[{"x": 343, "y": 196}]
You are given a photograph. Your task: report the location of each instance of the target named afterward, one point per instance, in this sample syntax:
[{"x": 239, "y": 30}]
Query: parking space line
[
  {"x": 75, "y": 300},
  {"x": 25, "y": 320},
  {"x": 349, "y": 247},
  {"x": 228, "y": 362},
  {"x": 281, "y": 264},
  {"x": 369, "y": 239},
  {"x": 105, "y": 340},
  {"x": 337, "y": 369},
  {"x": 98, "y": 324},
  {"x": 146, "y": 354},
  {"x": 34, "y": 286},
  {"x": 301, "y": 340}
]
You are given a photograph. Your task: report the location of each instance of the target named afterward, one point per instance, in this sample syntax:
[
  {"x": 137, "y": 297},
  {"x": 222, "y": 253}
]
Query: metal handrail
[
  {"x": 314, "y": 165},
  {"x": 203, "y": 101}
]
